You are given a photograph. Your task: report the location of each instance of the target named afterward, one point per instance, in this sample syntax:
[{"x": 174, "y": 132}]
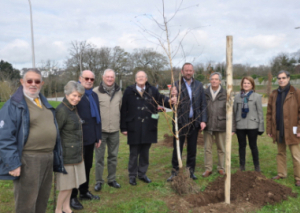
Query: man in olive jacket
[
  {"x": 110, "y": 101},
  {"x": 216, "y": 98},
  {"x": 283, "y": 124},
  {"x": 30, "y": 146}
]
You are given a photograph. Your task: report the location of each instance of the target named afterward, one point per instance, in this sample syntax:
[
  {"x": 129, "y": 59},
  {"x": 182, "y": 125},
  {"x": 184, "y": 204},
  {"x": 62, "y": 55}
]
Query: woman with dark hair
[
  {"x": 249, "y": 120},
  {"x": 70, "y": 129}
]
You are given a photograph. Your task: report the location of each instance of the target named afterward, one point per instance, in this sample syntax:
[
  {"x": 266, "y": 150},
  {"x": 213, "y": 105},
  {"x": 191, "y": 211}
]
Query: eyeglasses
[
  {"x": 282, "y": 78},
  {"x": 87, "y": 79},
  {"x": 35, "y": 81}
]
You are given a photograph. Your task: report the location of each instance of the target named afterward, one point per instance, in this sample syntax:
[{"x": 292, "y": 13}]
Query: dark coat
[
  {"x": 137, "y": 111},
  {"x": 216, "y": 111},
  {"x": 198, "y": 101},
  {"x": 92, "y": 131},
  {"x": 70, "y": 129},
  {"x": 14, "y": 131},
  {"x": 291, "y": 115}
]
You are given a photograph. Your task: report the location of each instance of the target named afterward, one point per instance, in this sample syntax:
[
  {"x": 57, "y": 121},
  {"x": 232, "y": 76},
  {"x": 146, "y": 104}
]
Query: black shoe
[
  {"x": 257, "y": 168},
  {"x": 114, "y": 184},
  {"x": 174, "y": 174},
  {"x": 145, "y": 179},
  {"x": 193, "y": 176},
  {"x": 75, "y": 204},
  {"x": 98, "y": 187},
  {"x": 132, "y": 181},
  {"x": 89, "y": 196},
  {"x": 242, "y": 168}
]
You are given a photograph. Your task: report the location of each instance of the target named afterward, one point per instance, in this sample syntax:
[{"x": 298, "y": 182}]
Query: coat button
[
  {"x": 142, "y": 108},
  {"x": 143, "y": 120}
]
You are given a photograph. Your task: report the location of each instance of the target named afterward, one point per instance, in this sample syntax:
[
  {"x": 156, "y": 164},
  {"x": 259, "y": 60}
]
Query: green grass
[
  {"x": 1, "y": 104},
  {"x": 154, "y": 197},
  {"x": 53, "y": 103}
]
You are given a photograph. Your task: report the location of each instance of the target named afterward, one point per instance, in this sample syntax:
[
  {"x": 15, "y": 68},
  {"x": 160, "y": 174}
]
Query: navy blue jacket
[
  {"x": 92, "y": 131},
  {"x": 14, "y": 131}
]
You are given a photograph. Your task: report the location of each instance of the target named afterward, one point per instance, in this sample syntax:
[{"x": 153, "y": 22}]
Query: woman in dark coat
[
  {"x": 139, "y": 118},
  {"x": 70, "y": 129}
]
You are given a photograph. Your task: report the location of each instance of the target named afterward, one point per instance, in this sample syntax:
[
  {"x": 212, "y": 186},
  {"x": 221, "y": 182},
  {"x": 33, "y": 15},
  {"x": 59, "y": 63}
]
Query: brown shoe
[
  {"x": 297, "y": 183},
  {"x": 206, "y": 173},
  {"x": 277, "y": 177},
  {"x": 221, "y": 172}
]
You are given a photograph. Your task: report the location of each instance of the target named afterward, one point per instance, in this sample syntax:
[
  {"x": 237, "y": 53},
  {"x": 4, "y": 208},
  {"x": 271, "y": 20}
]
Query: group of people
[{"x": 36, "y": 139}]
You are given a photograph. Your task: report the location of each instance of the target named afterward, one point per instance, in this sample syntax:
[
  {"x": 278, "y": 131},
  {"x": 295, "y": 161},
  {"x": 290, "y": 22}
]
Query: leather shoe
[
  {"x": 193, "y": 176},
  {"x": 174, "y": 174},
  {"x": 114, "y": 184},
  {"x": 277, "y": 177},
  {"x": 132, "y": 181},
  {"x": 145, "y": 179},
  {"x": 206, "y": 173},
  {"x": 89, "y": 196},
  {"x": 75, "y": 204},
  {"x": 221, "y": 172},
  {"x": 297, "y": 183},
  {"x": 98, "y": 187}
]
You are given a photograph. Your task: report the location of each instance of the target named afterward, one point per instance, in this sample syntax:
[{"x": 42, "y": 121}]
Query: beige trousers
[
  {"x": 281, "y": 159},
  {"x": 208, "y": 142}
]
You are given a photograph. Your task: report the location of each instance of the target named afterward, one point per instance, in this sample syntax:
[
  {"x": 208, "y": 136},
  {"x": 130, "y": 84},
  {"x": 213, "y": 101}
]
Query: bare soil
[{"x": 249, "y": 191}]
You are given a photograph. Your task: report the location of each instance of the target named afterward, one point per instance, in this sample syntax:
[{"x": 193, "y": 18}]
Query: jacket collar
[
  {"x": 68, "y": 105},
  {"x": 19, "y": 98},
  {"x": 101, "y": 89}
]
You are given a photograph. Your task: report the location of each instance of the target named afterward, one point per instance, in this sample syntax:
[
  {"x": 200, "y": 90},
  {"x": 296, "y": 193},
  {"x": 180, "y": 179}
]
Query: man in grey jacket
[
  {"x": 216, "y": 124},
  {"x": 110, "y": 101}
]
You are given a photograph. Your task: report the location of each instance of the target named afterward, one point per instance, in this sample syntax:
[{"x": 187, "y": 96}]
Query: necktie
[{"x": 37, "y": 101}]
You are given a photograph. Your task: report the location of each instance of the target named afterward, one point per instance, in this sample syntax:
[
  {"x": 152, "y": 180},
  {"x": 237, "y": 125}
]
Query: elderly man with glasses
[
  {"x": 30, "y": 146},
  {"x": 89, "y": 112}
]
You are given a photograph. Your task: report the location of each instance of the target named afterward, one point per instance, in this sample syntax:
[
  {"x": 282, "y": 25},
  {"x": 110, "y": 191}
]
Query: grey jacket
[
  {"x": 217, "y": 111},
  {"x": 255, "y": 117}
]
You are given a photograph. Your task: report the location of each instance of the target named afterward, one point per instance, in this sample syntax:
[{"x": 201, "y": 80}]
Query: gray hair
[
  {"x": 283, "y": 71},
  {"x": 109, "y": 70},
  {"x": 88, "y": 70},
  {"x": 73, "y": 86},
  {"x": 141, "y": 71},
  {"x": 35, "y": 70},
  {"x": 216, "y": 73}
]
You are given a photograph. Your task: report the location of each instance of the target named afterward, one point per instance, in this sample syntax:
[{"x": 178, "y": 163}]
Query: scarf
[
  {"x": 282, "y": 92},
  {"x": 93, "y": 105},
  {"x": 214, "y": 93},
  {"x": 245, "y": 107},
  {"x": 109, "y": 90}
]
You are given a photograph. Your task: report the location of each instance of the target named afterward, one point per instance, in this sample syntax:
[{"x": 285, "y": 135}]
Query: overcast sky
[{"x": 261, "y": 29}]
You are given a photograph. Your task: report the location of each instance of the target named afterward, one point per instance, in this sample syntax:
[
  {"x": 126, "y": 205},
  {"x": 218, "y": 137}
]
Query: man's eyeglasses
[
  {"x": 87, "y": 79},
  {"x": 35, "y": 81},
  {"x": 282, "y": 78}
]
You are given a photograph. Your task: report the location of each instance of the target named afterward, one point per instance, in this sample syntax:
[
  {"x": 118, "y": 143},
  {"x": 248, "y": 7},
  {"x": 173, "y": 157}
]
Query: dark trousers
[
  {"x": 32, "y": 189},
  {"x": 138, "y": 159},
  {"x": 88, "y": 152},
  {"x": 191, "y": 134},
  {"x": 252, "y": 138}
]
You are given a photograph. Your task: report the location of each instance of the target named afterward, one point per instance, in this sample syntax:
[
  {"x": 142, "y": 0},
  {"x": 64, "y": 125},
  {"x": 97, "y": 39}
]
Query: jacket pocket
[
  {"x": 72, "y": 150},
  {"x": 254, "y": 119},
  {"x": 222, "y": 122},
  {"x": 130, "y": 123}
]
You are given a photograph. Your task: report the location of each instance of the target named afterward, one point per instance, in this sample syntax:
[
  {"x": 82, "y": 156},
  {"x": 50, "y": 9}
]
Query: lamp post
[{"x": 32, "y": 39}]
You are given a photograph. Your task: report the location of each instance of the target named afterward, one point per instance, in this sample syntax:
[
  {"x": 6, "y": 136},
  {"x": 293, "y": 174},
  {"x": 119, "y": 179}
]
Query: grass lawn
[{"x": 155, "y": 196}]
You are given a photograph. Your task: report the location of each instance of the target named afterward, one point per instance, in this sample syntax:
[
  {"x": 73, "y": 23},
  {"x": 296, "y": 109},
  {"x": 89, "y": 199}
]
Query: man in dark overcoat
[{"x": 139, "y": 118}]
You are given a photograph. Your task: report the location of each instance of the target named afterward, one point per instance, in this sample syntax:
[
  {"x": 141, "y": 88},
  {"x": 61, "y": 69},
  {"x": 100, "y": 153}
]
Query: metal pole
[{"x": 32, "y": 39}]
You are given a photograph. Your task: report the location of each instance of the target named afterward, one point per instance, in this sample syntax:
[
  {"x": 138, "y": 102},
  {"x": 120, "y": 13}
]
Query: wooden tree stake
[{"x": 229, "y": 121}]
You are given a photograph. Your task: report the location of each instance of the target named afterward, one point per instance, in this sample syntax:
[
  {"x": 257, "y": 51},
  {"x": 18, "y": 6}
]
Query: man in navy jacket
[
  {"x": 28, "y": 154},
  {"x": 89, "y": 112}
]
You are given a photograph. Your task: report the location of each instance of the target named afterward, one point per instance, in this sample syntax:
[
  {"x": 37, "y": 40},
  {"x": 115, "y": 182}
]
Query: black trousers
[
  {"x": 252, "y": 138},
  {"x": 138, "y": 159},
  {"x": 88, "y": 153},
  {"x": 190, "y": 132}
]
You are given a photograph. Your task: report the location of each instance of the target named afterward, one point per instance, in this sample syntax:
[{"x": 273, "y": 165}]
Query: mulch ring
[
  {"x": 249, "y": 191},
  {"x": 168, "y": 140}
]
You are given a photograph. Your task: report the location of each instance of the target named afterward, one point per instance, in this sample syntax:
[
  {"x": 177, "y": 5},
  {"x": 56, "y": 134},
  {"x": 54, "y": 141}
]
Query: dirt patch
[
  {"x": 249, "y": 192},
  {"x": 168, "y": 140},
  {"x": 183, "y": 184}
]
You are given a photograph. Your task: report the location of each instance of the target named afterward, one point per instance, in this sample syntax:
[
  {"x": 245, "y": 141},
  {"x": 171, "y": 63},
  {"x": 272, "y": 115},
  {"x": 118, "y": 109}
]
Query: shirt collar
[
  {"x": 187, "y": 82},
  {"x": 139, "y": 88},
  {"x": 30, "y": 98}
]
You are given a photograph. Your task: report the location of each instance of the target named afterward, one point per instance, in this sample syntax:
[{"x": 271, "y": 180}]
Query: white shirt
[{"x": 32, "y": 99}]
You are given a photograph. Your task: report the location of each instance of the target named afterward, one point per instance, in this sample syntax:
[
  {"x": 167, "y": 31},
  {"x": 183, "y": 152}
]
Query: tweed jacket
[
  {"x": 255, "y": 117},
  {"x": 291, "y": 115}
]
